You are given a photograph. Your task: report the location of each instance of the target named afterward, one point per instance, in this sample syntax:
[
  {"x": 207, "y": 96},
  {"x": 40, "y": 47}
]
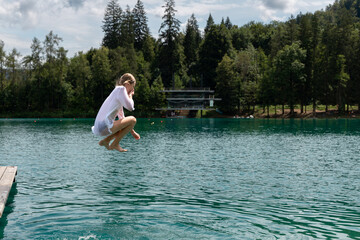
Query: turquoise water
[{"x": 185, "y": 179}]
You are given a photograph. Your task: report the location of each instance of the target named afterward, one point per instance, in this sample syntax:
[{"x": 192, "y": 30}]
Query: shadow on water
[{"x": 9, "y": 208}]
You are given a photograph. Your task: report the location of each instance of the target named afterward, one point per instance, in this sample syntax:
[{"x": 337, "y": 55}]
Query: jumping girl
[{"x": 105, "y": 124}]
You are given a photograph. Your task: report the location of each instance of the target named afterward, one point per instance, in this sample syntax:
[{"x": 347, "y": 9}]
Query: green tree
[
  {"x": 122, "y": 60},
  {"x": 241, "y": 37},
  {"x": 266, "y": 92},
  {"x": 101, "y": 76},
  {"x": 13, "y": 65},
  {"x": 341, "y": 79},
  {"x": 226, "y": 87},
  {"x": 127, "y": 29},
  {"x": 228, "y": 23},
  {"x": 157, "y": 97},
  {"x": 51, "y": 44},
  {"x": 52, "y": 73},
  {"x": 141, "y": 29},
  {"x": 148, "y": 49},
  {"x": 277, "y": 41},
  {"x": 261, "y": 35},
  {"x": 112, "y": 25},
  {"x": 11, "y": 90},
  {"x": 291, "y": 31},
  {"x": 290, "y": 72},
  {"x": 353, "y": 86},
  {"x": 191, "y": 44},
  {"x": 209, "y": 23},
  {"x": 312, "y": 68},
  {"x": 64, "y": 91},
  {"x": 143, "y": 94},
  {"x": 216, "y": 44},
  {"x": 169, "y": 57},
  {"x": 143, "y": 67},
  {"x": 2, "y": 74},
  {"x": 306, "y": 39},
  {"x": 79, "y": 76},
  {"x": 247, "y": 65},
  {"x": 34, "y": 61}
]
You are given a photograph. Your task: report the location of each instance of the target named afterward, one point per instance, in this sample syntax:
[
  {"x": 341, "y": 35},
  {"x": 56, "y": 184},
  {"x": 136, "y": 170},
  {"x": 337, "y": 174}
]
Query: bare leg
[
  {"x": 106, "y": 141},
  {"x": 117, "y": 128},
  {"x": 115, "y": 144},
  {"x": 119, "y": 135}
]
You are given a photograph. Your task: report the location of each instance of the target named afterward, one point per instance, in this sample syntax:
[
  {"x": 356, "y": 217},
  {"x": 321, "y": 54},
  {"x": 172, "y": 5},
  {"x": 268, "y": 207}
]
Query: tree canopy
[{"x": 311, "y": 58}]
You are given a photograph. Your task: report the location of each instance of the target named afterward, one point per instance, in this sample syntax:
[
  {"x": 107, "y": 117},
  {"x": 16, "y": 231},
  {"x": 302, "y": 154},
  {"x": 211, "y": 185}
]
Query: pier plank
[
  {"x": 7, "y": 177},
  {"x": 2, "y": 170}
]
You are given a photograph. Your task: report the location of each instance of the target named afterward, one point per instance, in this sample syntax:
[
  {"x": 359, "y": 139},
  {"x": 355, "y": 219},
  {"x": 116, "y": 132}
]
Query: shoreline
[{"x": 331, "y": 114}]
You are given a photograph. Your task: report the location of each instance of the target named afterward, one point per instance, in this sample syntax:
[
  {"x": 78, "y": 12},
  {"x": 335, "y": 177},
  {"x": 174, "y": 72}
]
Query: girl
[{"x": 105, "y": 124}]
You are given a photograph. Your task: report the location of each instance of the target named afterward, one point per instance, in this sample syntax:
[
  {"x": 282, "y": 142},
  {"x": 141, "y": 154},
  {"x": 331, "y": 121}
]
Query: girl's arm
[{"x": 125, "y": 99}]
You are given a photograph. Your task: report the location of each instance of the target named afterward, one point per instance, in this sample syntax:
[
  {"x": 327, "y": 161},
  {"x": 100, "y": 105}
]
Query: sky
[{"x": 78, "y": 22}]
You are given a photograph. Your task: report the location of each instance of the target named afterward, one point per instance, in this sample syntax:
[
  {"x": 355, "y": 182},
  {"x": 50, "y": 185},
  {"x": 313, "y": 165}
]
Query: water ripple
[{"x": 187, "y": 179}]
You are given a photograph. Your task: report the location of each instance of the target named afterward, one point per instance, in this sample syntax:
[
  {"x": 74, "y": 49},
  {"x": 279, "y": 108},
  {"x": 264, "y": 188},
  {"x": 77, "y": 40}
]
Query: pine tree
[
  {"x": 291, "y": 31},
  {"x": 216, "y": 44},
  {"x": 112, "y": 25},
  {"x": 171, "y": 26},
  {"x": 192, "y": 41},
  {"x": 169, "y": 58},
  {"x": 141, "y": 29},
  {"x": 209, "y": 23},
  {"x": 127, "y": 29},
  {"x": 148, "y": 48},
  {"x": 228, "y": 23}
]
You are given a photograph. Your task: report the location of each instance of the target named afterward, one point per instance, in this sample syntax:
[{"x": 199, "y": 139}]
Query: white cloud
[
  {"x": 185, "y": 7},
  {"x": 13, "y": 41},
  {"x": 281, "y": 9},
  {"x": 79, "y": 22}
]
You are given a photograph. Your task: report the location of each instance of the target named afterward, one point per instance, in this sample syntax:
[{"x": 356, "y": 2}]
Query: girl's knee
[{"x": 132, "y": 120}]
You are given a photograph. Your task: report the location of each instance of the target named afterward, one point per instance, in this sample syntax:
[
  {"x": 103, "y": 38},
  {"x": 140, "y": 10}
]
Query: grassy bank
[{"x": 276, "y": 112}]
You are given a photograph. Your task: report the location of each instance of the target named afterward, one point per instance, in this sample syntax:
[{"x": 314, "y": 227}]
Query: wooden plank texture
[{"x": 7, "y": 177}]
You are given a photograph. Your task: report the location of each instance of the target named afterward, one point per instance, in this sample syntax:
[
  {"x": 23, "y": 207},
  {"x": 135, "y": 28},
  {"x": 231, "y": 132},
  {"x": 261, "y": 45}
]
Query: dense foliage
[{"x": 313, "y": 58}]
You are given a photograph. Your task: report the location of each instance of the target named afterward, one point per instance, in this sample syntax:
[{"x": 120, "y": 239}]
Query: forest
[{"x": 310, "y": 59}]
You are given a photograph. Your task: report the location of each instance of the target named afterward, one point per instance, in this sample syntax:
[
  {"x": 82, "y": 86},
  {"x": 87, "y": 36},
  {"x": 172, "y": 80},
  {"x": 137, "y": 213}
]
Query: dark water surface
[{"x": 185, "y": 179}]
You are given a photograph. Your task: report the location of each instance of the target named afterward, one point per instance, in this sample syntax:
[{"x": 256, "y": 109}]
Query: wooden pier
[{"x": 7, "y": 177}]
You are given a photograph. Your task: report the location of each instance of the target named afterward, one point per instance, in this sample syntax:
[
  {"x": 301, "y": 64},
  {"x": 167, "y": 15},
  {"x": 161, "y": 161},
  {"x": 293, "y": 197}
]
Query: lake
[{"x": 184, "y": 179}]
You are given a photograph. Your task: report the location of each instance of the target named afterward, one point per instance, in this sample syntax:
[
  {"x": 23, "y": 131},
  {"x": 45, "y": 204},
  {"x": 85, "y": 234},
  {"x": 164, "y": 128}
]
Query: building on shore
[{"x": 187, "y": 102}]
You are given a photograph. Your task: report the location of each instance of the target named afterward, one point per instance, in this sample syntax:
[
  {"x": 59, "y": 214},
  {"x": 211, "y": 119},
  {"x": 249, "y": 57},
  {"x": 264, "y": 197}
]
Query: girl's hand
[{"x": 131, "y": 93}]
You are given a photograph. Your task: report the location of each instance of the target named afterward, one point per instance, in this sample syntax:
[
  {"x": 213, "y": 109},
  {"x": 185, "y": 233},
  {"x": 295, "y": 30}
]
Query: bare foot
[
  {"x": 105, "y": 144},
  {"x": 118, "y": 148},
  {"x": 135, "y": 135}
]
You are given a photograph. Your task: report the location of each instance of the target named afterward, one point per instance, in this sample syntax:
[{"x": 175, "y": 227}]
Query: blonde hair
[{"x": 126, "y": 78}]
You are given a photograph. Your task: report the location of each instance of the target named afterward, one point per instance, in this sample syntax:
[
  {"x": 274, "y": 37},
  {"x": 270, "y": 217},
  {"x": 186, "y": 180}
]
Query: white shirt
[{"x": 112, "y": 106}]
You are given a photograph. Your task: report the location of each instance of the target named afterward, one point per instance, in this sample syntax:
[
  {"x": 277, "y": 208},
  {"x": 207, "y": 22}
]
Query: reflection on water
[{"x": 185, "y": 178}]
